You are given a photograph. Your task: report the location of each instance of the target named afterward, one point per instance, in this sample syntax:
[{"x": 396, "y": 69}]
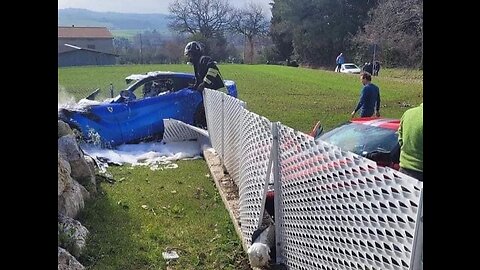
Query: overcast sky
[{"x": 141, "y": 6}]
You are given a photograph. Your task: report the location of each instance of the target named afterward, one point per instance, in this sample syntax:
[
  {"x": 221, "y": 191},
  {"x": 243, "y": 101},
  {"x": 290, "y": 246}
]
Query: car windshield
[
  {"x": 350, "y": 67},
  {"x": 358, "y": 138}
]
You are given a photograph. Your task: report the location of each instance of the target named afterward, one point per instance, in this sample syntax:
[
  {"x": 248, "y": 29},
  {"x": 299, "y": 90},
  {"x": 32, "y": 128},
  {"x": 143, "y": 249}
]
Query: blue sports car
[{"x": 127, "y": 118}]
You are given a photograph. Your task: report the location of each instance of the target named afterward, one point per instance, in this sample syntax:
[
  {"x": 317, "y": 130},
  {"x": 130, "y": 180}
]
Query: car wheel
[{"x": 200, "y": 120}]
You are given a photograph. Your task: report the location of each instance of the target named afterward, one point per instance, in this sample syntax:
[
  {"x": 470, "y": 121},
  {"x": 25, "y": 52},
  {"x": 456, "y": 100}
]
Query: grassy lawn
[
  {"x": 182, "y": 209},
  {"x": 129, "y": 34},
  {"x": 147, "y": 212}
]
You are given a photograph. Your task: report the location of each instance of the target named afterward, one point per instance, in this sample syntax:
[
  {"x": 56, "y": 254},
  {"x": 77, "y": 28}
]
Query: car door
[{"x": 103, "y": 121}]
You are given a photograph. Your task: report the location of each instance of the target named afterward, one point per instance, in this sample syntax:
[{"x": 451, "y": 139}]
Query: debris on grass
[
  {"x": 144, "y": 206},
  {"x": 170, "y": 255},
  {"x": 124, "y": 205}
]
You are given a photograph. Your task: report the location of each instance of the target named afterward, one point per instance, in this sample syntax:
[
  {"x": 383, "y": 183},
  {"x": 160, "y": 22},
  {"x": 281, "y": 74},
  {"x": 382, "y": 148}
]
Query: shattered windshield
[{"x": 358, "y": 138}]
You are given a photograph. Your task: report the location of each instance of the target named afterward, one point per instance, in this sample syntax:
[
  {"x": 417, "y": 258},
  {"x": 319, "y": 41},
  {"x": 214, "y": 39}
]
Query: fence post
[
  {"x": 267, "y": 180},
  {"x": 416, "y": 261},
  {"x": 278, "y": 196},
  {"x": 223, "y": 128}
]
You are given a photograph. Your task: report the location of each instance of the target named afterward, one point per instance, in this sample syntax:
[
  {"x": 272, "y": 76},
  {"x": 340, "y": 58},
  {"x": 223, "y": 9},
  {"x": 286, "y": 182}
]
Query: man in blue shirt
[
  {"x": 340, "y": 60},
  {"x": 369, "y": 103}
]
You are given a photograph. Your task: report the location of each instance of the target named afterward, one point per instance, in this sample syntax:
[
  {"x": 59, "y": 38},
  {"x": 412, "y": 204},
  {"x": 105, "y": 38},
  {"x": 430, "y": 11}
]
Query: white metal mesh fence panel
[
  {"x": 213, "y": 102},
  {"x": 233, "y": 119},
  {"x": 255, "y": 153},
  {"x": 176, "y": 130},
  {"x": 341, "y": 211},
  {"x": 224, "y": 118}
]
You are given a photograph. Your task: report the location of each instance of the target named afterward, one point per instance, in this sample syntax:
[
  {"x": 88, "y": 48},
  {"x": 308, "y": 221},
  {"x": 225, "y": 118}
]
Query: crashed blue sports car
[{"x": 132, "y": 116}]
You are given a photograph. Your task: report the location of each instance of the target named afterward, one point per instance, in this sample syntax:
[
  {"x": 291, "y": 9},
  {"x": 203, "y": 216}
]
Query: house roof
[
  {"x": 83, "y": 32},
  {"x": 69, "y": 48}
]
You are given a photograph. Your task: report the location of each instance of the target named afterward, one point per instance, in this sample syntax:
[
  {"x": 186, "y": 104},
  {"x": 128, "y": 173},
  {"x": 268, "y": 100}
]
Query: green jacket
[{"x": 410, "y": 138}]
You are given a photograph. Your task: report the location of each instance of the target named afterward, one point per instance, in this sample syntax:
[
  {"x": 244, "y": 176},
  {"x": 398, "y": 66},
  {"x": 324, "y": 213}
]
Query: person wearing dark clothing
[
  {"x": 206, "y": 71},
  {"x": 369, "y": 103},
  {"x": 339, "y": 61},
  {"x": 207, "y": 75},
  {"x": 368, "y": 67},
  {"x": 376, "y": 68},
  {"x": 410, "y": 138}
]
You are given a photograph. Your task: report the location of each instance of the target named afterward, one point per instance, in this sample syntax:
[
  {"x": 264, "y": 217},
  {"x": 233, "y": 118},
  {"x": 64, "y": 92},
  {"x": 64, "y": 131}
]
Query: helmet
[{"x": 193, "y": 47}]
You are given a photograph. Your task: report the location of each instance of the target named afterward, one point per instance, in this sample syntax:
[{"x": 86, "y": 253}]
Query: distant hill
[{"x": 117, "y": 22}]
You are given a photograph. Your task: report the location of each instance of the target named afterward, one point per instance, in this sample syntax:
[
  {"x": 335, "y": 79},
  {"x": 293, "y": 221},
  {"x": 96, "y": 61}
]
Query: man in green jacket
[{"x": 410, "y": 138}]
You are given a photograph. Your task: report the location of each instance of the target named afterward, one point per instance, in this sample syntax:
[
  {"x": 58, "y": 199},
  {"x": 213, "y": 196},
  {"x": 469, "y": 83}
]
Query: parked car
[
  {"x": 371, "y": 137},
  {"x": 349, "y": 68},
  {"x": 127, "y": 118}
]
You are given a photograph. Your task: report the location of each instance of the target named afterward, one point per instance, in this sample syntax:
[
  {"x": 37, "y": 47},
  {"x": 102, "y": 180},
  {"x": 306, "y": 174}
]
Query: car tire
[{"x": 200, "y": 119}]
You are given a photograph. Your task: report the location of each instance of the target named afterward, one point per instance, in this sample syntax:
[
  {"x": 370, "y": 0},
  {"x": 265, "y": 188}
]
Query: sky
[{"x": 141, "y": 6}]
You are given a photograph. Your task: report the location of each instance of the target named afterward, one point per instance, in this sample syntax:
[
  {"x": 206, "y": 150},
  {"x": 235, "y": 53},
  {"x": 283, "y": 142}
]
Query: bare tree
[
  {"x": 250, "y": 22},
  {"x": 397, "y": 26},
  {"x": 207, "y": 17}
]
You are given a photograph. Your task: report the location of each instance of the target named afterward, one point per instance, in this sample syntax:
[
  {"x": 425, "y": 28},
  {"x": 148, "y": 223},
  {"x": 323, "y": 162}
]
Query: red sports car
[{"x": 372, "y": 137}]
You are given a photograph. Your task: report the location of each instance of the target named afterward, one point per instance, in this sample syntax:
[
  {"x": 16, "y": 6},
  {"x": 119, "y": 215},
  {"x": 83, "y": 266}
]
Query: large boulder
[
  {"x": 63, "y": 129},
  {"x": 72, "y": 235},
  {"x": 64, "y": 178},
  {"x": 67, "y": 262},
  {"x": 68, "y": 147},
  {"x": 91, "y": 186},
  {"x": 71, "y": 201}
]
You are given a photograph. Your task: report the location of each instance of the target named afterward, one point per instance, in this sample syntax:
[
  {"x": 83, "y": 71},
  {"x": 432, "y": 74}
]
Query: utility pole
[
  {"x": 244, "y": 46},
  {"x": 141, "y": 54}
]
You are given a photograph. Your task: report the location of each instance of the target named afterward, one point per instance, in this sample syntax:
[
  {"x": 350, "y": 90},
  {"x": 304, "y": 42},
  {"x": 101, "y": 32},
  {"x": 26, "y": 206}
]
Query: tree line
[{"x": 310, "y": 32}]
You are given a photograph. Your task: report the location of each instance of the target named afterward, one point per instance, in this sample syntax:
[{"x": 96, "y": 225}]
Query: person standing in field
[
  {"x": 369, "y": 103},
  {"x": 340, "y": 60},
  {"x": 376, "y": 68}
]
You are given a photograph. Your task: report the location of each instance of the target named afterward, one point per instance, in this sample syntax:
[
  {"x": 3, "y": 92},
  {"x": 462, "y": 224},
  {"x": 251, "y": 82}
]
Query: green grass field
[
  {"x": 183, "y": 209},
  {"x": 129, "y": 34},
  {"x": 148, "y": 212}
]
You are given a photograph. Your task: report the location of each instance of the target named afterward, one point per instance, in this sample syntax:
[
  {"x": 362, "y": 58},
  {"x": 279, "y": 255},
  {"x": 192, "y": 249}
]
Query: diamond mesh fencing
[
  {"x": 213, "y": 102},
  {"x": 225, "y": 139},
  {"x": 234, "y": 113},
  {"x": 176, "y": 130},
  {"x": 342, "y": 211},
  {"x": 256, "y": 145},
  {"x": 335, "y": 209}
]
